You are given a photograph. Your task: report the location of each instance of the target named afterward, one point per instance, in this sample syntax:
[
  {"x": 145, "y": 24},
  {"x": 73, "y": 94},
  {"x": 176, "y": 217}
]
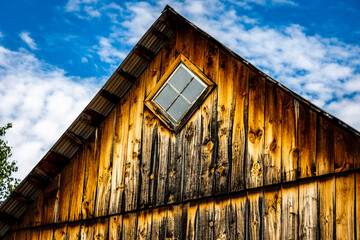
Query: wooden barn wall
[{"x": 251, "y": 163}]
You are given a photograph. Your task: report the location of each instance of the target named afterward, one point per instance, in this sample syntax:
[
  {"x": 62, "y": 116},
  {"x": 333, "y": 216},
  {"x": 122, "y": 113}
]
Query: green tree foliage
[{"x": 7, "y": 167}]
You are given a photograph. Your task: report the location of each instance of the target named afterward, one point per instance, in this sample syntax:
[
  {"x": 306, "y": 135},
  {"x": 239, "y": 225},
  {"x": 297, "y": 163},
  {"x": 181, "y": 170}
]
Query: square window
[{"x": 178, "y": 93}]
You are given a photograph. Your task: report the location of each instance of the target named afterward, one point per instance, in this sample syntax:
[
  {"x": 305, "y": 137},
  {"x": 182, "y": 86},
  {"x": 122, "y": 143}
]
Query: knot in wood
[
  {"x": 259, "y": 133},
  {"x": 273, "y": 145},
  {"x": 223, "y": 108},
  {"x": 211, "y": 223},
  {"x": 252, "y": 137}
]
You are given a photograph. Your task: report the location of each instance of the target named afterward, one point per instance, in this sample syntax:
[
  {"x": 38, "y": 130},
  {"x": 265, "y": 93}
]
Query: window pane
[
  {"x": 193, "y": 90},
  {"x": 166, "y": 97},
  {"x": 180, "y": 79},
  {"x": 178, "y": 108}
]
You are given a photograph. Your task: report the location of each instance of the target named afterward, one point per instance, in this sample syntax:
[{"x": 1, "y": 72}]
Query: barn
[{"x": 188, "y": 140}]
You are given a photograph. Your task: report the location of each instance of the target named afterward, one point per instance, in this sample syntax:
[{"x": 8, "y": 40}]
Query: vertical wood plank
[
  {"x": 73, "y": 231},
  {"x": 289, "y": 131},
  {"x": 33, "y": 234},
  {"x": 77, "y": 186},
  {"x": 87, "y": 230},
  {"x": 273, "y": 116},
  {"x": 50, "y": 201},
  {"x": 206, "y": 219},
  {"x": 60, "y": 232},
  {"x": 192, "y": 218},
  {"x": 120, "y": 150},
  {"x": 324, "y": 146},
  {"x": 90, "y": 177},
  {"x": 209, "y": 124},
  {"x": 290, "y": 207},
  {"x": 182, "y": 45},
  {"x": 238, "y": 204},
  {"x": 225, "y": 120},
  {"x": 192, "y": 142},
  {"x": 115, "y": 227},
  {"x": 169, "y": 53},
  {"x": 356, "y": 152},
  {"x": 64, "y": 193},
  {"x": 173, "y": 187},
  {"x": 308, "y": 210},
  {"x": 46, "y": 233},
  {"x": 307, "y": 142},
  {"x": 129, "y": 226},
  {"x": 221, "y": 215},
  {"x": 144, "y": 225},
  {"x": 106, "y": 137},
  {"x": 161, "y": 168},
  {"x": 272, "y": 213},
  {"x": 101, "y": 229},
  {"x": 159, "y": 223},
  {"x": 345, "y": 206},
  {"x": 357, "y": 201},
  {"x": 176, "y": 221},
  {"x": 133, "y": 160},
  {"x": 326, "y": 207},
  {"x": 255, "y": 142},
  {"x": 255, "y": 214},
  {"x": 344, "y": 150}
]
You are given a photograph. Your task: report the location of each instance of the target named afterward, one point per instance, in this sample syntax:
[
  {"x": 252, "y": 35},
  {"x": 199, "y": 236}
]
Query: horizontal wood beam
[
  {"x": 144, "y": 53},
  {"x": 53, "y": 163},
  {"x": 126, "y": 75},
  {"x": 7, "y": 218},
  {"x": 21, "y": 198},
  {"x": 75, "y": 138},
  {"x": 94, "y": 118},
  {"x": 109, "y": 96},
  {"x": 159, "y": 34},
  {"x": 37, "y": 182}
]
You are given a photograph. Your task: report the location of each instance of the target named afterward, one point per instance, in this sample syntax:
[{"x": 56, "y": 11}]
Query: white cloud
[
  {"x": 40, "y": 101},
  {"x": 84, "y": 60},
  {"x": 25, "y": 36}
]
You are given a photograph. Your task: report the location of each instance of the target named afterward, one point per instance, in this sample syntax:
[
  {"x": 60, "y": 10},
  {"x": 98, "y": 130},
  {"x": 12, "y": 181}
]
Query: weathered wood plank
[
  {"x": 133, "y": 159},
  {"x": 206, "y": 219},
  {"x": 168, "y": 53},
  {"x": 173, "y": 184},
  {"x": 290, "y": 207},
  {"x": 33, "y": 234},
  {"x": 307, "y": 142},
  {"x": 345, "y": 219},
  {"x": 344, "y": 150},
  {"x": 209, "y": 125},
  {"x": 64, "y": 193},
  {"x": 120, "y": 150},
  {"x": 161, "y": 168},
  {"x": 46, "y": 233},
  {"x": 77, "y": 186},
  {"x": 255, "y": 221},
  {"x": 272, "y": 213},
  {"x": 60, "y": 232},
  {"x": 326, "y": 207},
  {"x": 357, "y": 207},
  {"x": 273, "y": 115},
  {"x": 50, "y": 201},
  {"x": 239, "y": 126},
  {"x": 192, "y": 219},
  {"x": 308, "y": 210},
  {"x": 238, "y": 206},
  {"x": 221, "y": 218},
  {"x": 356, "y": 152},
  {"x": 324, "y": 146},
  {"x": 115, "y": 227},
  {"x": 182, "y": 45},
  {"x": 159, "y": 224},
  {"x": 144, "y": 225},
  {"x": 87, "y": 230},
  {"x": 106, "y": 137},
  {"x": 176, "y": 222},
  {"x": 255, "y": 141},
  {"x": 289, "y": 131},
  {"x": 73, "y": 231},
  {"x": 129, "y": 226},
  {"x": 192, "y": 143},
  {"x": 225, "y": 120},
  {"x": 90, "y": 177},
  {"x": 101, "y": 228}
]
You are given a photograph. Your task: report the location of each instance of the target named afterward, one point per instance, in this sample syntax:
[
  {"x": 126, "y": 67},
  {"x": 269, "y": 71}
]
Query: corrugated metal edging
[{"x": 117, "y": 85}]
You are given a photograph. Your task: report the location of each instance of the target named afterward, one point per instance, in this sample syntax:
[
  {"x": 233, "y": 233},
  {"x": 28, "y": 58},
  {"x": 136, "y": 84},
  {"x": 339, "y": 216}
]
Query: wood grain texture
[
  {"x": 326, "y": 207},
  {"x": 160, "y": 169},
  {"x": 129, "y": 226},
  {"x": 51, "y": 201},
  {"x": 192, "y": 219},
  {"x": 106, "y": 137},
  {"x": 221, "y": 215},
  {"x": 60, "y": 232},
  {"x": 224, "y": 118},
  {"x": 345, "y": 219},
  {"x": 144, "y": 225},
  {"x": 77, "y": 186},
  {"x": 344, "y": 150},
  {"x": 272, "y": 213},
  {"x": 290, "y": 211},
  {"x": 308, "y": 210},
  {"x": 238, "y": 206},
  {"x": 324, "y": 146},
  {"x": 289, "y": 132},
  {"x": 73, "y": 231},
  {"x": 159, "y": 224},
  {"x": 33, "y": 234},
  {"x": 307, "y": 142},
  {"x": 206, "y": 219},
  {"x": 120, "y": 150},
  {"x": 356, "y": 152},
  {"x": 90, "y": 177},
  {"x": 255, "y": 215},
  {"x": 46, "y": 233},
  {"x": 115, "y": 227},
  {"x": 255, "y": 141},
  {"x": 357, "y": 207},
  {"x": 273, "y": 116},
  {"x": 64, "y": 193}
]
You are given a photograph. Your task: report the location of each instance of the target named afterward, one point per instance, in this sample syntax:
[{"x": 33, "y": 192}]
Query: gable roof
[{"x": 101, "y": 105}]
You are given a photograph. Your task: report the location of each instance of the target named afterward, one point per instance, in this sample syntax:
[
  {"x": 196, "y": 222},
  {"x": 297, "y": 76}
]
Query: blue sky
[{"x": 55, "y": 55}]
